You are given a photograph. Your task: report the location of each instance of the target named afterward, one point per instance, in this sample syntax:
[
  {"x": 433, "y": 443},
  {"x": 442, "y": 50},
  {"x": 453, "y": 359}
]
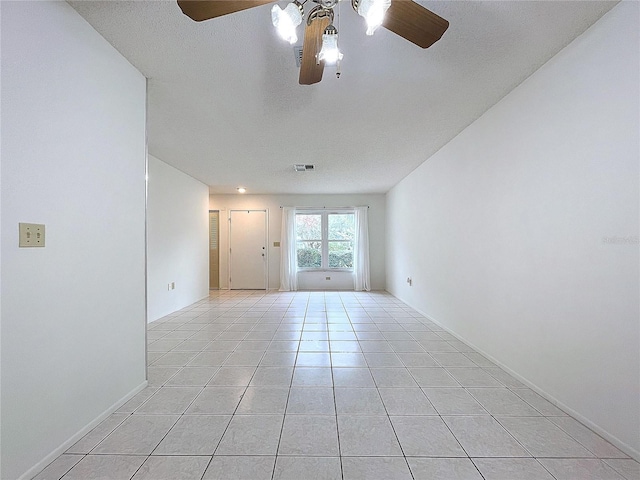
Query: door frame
[{"x": 266, "y": 243}]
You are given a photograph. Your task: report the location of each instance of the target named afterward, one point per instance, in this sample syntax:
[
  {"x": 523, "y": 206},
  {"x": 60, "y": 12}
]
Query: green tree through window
[{"x": 325, "y": 240}]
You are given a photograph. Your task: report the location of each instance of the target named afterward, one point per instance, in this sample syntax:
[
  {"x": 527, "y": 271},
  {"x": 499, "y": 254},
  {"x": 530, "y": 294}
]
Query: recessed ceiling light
[{"x": 241, "y": 189}]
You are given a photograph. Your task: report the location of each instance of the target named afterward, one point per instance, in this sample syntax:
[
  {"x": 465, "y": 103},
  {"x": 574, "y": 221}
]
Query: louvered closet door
[{"x": 214, "y": 252}]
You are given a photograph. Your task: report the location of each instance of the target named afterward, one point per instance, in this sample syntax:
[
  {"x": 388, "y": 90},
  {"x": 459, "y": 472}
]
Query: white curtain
[
  {"x": 361, "y": 250},
  {"x": 288, "y": 264}
]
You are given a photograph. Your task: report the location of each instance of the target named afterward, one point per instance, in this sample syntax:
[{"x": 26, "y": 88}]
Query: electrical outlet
[
  {"x": 173, "y": 285},
  {"x": 276, "y": 244},
  {"x": 31, "y": 235},
  {"x": 327, "y": 278},
  {"x": 409, "y": 281}
]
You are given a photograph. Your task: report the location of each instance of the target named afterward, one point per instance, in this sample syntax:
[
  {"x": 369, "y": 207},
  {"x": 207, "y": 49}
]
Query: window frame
[{"x": 324, "y": 222}]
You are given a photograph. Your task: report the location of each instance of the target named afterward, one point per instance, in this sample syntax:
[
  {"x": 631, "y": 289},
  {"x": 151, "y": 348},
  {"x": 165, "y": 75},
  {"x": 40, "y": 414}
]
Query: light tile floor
[{"x": 328, "y": 385}]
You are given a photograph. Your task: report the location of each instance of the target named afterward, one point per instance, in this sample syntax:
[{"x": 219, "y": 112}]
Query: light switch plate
[{"x": 31, "y": 235}]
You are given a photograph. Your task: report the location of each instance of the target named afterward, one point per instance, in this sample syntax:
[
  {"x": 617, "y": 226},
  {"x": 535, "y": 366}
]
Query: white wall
[
  {"x": 308, "y": 281},
  {"x": 503, "y": 230},
  {"x": 73, "y": 158},
  {"x": 177, "y": 240}
]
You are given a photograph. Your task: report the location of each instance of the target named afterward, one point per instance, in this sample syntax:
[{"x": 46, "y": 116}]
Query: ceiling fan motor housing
[{"x": 327, "y": 3}]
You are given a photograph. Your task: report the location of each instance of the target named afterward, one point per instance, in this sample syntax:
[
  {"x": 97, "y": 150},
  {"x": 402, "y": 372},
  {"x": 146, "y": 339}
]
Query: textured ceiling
[{"x": 225, "y": 105}]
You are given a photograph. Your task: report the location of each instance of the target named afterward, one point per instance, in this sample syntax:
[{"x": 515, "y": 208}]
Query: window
[
  {"x": 309, "y": 240},
  {"x": 324, "y": 240}
]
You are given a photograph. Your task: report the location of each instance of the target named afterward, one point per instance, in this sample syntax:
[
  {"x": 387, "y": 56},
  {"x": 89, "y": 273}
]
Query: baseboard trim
[
  {"x": 42, "y": 464},
  {"x": 625, "y": 448}
]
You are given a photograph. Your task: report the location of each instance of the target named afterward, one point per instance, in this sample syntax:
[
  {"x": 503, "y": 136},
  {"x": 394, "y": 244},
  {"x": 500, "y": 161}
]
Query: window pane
[
  {"x": 309, "y": 254},
  {"x": 341, "y": 226},
  {"x": 340, "y": 254},
  {"x": 309, "y": 227}
]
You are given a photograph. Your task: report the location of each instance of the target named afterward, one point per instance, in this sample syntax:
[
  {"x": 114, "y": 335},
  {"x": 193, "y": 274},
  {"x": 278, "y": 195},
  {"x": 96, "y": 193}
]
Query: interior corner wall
[
  {"x": 521, "y": 234},
  {"x": 73, "y": 158},
  {"x": 177, "y": 240},
  {"x": 272, "y": 203}
]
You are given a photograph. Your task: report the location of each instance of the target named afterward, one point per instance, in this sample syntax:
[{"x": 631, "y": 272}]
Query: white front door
[{"x": 248, "y": 249}]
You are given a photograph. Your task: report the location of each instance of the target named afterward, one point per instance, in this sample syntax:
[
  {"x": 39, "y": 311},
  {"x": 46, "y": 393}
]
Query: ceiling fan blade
[
  {"x": 200, "y": 10},
  {"x": 310, "y": 71},
  {"x": 415, "y": 23}
]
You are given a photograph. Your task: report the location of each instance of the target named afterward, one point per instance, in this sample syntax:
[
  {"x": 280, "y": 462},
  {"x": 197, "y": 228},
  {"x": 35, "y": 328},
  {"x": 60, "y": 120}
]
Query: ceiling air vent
[{"x": 299, "y": 167}]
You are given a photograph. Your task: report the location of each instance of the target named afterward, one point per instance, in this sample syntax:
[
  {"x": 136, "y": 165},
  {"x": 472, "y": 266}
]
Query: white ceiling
[{"x": 225, "y": 105}]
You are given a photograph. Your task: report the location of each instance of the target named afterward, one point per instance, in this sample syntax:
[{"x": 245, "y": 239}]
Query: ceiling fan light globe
[
  {"x": 374, "y": 20},
  {"x": 289, "y": 36},
  {"x": 286, "y": 21},
  {"x": 330, "y": 53},
  {"x": 373, "y": 12}
]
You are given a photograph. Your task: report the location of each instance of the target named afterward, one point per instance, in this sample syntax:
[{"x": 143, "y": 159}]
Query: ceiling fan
[{"x": 406, "y": 18}]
